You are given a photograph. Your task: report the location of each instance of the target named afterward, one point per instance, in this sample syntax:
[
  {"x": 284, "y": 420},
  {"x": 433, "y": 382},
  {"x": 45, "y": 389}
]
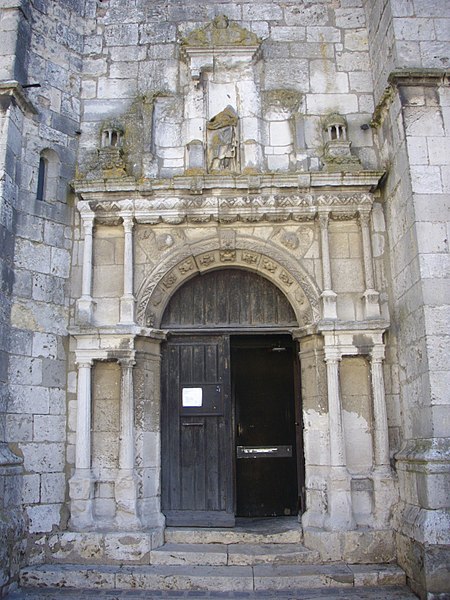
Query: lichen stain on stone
[{"x": 23, "y": 318}]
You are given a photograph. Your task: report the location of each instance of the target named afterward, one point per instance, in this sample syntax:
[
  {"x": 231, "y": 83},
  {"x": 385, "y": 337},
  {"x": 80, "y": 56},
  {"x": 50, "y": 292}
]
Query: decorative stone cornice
[
  {"x": 427, "y": 77},
  {"x": 248, "y": 208},
  {"x": 201, "y": 184},
  {"x": 406, "y": 77}
]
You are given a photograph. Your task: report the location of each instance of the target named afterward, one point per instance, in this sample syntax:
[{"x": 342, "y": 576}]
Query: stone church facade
[{"x": 180, "y": 180}]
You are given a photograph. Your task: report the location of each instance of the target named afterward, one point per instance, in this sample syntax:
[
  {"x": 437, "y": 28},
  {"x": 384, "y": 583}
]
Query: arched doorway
[{"x": 230, "y": 412}]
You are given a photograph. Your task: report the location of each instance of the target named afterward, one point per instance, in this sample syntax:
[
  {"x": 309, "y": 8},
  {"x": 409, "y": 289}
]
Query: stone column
[
  {"x": 340, "y": 515},
  {"x": 127, "y": 300},
  {"x": 81, "y": 485},
  {"x": 126, "y": 484},
  {"x": 371, "y": 296},
  {"x": 85, "y": 303},
  {"x": 328, "y": 296},
  {"x": 384, "y": 487},
  {"x": 315, "y": 427},
  {"x": 148, "y": 442},
  {"x": 381, "y": 437}
]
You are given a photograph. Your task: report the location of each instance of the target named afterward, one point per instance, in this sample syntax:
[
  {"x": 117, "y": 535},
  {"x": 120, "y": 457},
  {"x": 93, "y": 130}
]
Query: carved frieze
[
  {"x": 273, "y": 208},
  {"x": 285, "y": 272}
]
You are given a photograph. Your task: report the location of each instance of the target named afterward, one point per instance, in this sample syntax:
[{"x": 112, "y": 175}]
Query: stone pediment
[
  {"x": 220, "y": 32},
  {"x": 220, "y": 39}
]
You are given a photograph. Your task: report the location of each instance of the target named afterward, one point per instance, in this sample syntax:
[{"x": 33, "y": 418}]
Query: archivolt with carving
[{"x": 281, "y": 270}]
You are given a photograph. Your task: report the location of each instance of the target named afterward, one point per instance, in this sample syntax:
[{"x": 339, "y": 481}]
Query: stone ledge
[
  {"x": 102, "y": 548},
  {"x": 360, "y": 546},
  {"x": 418, "y": 76},
  {"x": 207, "y": 578},
  {"x": 130, "y": 188}
]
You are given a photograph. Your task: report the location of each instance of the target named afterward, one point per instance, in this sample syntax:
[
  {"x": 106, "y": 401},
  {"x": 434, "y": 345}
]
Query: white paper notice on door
[{"x": 192, "y": 397}]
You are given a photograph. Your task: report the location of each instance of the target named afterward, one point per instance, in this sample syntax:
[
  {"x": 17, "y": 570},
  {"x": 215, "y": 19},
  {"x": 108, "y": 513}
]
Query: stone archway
[
  {"x": 229, "y": 384},
  {"x": 278, "y": 267}
]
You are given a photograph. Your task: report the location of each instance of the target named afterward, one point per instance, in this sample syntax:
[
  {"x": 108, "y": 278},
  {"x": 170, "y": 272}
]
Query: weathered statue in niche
[{"x": 222, "y": 142}]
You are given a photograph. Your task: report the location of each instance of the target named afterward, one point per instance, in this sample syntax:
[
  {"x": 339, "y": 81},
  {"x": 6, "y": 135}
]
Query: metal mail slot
[{"x": 264, "y": 451}]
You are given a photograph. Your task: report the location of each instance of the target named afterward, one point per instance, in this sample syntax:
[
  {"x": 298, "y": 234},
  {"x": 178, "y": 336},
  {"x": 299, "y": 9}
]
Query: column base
[
  {"x": 329, "y": 309},
  {"x": 125, "y": 491},
  {"x": 340, "y": 513},
  {"x": 85, "y": 310},
  {"x": 81, "y": 492},
  {"x": 126, "y": 310},
  {"x": 385, "y": 491}
]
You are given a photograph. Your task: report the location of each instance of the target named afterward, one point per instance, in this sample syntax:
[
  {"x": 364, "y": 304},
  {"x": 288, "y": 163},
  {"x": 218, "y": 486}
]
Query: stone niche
[
  {"x": 282, "y": 129},
  {"x": 222, "y": 103}
]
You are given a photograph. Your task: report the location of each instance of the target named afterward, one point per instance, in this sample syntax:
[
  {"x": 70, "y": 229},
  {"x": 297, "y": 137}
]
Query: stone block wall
[
  {"x": 43, "y": 49},
  {"x": 98, "y": 66},
  {"x": 413, "y": 136},
  {"x": 133, "y": 76}
]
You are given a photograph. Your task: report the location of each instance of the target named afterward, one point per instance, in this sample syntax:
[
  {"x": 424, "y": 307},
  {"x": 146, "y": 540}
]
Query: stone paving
[{"x": 385, "y": 593}]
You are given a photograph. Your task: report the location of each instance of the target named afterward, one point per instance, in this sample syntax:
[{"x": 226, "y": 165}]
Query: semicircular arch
[{"x": 250, "y": 254}]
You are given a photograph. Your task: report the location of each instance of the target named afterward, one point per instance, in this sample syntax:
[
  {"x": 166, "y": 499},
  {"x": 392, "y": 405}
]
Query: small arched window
[
  {"x": 42, "y": 176},
  {"x": 48, "y": 176}
]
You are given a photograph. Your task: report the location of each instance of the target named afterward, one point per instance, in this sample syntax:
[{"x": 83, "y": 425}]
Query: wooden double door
[{"x": 231, "y": 428}]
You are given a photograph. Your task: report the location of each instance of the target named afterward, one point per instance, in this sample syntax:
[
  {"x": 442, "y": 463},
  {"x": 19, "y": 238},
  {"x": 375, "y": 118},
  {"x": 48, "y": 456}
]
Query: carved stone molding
[
  {"x": 251, "y": 254},
  {"x": 221, "y": 39},
  {"x": 254, "y": 208}
]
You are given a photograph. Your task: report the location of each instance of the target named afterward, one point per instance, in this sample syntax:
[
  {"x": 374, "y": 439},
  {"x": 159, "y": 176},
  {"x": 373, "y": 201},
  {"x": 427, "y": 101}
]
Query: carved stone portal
[{"x": 223, "y": 142}]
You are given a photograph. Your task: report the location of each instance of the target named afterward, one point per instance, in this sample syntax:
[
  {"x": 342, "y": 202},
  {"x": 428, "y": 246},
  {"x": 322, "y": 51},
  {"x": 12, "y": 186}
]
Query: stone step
[
  {"x": 247, "y": 531},
  {"x": 232, "y": 554},
  {"x": 210, "y": 578}
]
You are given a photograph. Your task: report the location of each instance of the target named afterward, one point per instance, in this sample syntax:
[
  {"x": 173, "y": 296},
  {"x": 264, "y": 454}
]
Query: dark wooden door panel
[
  {"x": 197, "y": 479},
  {"x": 228, "y": 298},
  {"x": 266, "y": 464}
]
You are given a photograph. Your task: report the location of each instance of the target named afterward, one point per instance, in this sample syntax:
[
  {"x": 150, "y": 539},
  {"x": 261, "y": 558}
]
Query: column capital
[
  {"x": 128, "y": 222},
  {"x": 323, "y": 216},
  {"x": 82, "y": 361},
  {"x": 126, "y": 361},
  {"x": 364, "y": 215},
  {"x": 332, "y": 355},
  {"x": 85, "y": 211}
]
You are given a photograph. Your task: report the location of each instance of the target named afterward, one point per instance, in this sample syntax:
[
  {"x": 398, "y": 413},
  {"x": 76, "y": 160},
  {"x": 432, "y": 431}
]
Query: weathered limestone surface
[{"x": 305, "y": 141}]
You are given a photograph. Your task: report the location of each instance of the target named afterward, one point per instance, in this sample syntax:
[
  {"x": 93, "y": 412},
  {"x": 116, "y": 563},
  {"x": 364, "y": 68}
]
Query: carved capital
[
  {"x": 364, "y": 217},
  {"x": 323, "y": 217},
  {"x": 128, "y": 223},
  {"x": 332, "y": 356},
  {"x": 83, "y": 362},
  {"x": 126, "y": 362}
]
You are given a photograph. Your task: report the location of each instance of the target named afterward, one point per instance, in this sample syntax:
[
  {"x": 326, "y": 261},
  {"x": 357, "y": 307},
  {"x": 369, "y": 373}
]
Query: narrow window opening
[{"x": 42, "y": 177}]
